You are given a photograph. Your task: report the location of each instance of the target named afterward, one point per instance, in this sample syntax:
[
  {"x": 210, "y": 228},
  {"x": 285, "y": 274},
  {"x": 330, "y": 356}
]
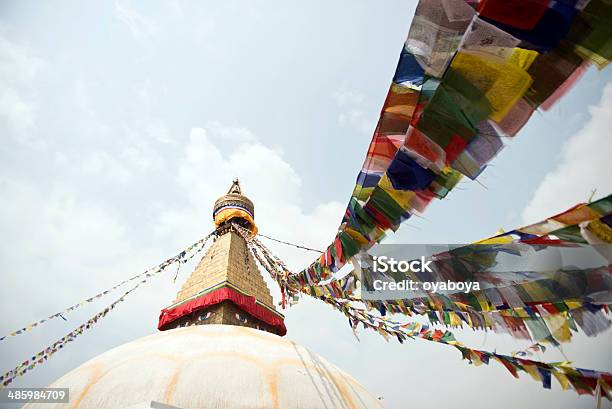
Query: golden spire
[
  {"x": 235, "y": 207},
  {"x": 226, "y": 287}
]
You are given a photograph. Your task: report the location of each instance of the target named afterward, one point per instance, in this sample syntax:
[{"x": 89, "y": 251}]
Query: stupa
[{"x": 220, "y": 345}]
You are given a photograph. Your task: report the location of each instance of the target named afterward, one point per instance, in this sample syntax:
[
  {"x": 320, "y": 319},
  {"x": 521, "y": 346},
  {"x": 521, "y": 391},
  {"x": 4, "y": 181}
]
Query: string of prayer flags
[
  {"x": 583, "y": 381},
  {"x": 469, "y": 74},
  {"x": 457, "y": 315},
  {"x": 42, "y": 356},
  {"x": 585, "y": 223},
  {"x": 517, "y": 303}
]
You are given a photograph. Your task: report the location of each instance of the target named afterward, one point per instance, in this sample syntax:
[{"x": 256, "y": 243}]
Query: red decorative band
[{"x": 245, "y": 302}]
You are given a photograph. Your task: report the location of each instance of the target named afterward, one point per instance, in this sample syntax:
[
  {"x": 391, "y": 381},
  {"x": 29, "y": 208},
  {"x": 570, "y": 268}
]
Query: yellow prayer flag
[
  {"x": 502, "y": 82},
  {"x": 601, "y": 230},
  {"x": 533, "y": 371},
  {"x": 523, "y": 58},
  {"x": 562, "y": 378},
  {"x": 403, "y": 197}
]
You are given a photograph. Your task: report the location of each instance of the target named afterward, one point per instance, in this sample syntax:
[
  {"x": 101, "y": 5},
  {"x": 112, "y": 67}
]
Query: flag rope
[{"x": 43, "y": 355}]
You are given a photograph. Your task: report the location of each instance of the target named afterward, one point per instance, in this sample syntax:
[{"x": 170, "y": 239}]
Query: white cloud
[
  {"x": 230, "y": 133},
  {"x": 104, "y": 165},
  {"x": 344, "y": 98},
  {"x": 156, "y": 130},
  {"x": 131, "y": 157},
  {"x": 356, "y": 118},
  {"x": 116, "y": 151},
  {"x": 57, "y": 223},
  {"x": 353, "y": 114},
  {"x": 205, "y": 173},
  {"x": 584, "y": 165},
  {"x": 204, "y": 30},
  {"x": 140, "y": 25},
  {"x": 175, "y": 8},
  {"x": 57, "y": 239},
  {"x": 19, "y": 68}
]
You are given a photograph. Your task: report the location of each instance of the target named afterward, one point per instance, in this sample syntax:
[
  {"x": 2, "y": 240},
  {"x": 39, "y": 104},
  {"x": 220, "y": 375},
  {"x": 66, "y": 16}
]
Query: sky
[{"x": 121, "y": 123}]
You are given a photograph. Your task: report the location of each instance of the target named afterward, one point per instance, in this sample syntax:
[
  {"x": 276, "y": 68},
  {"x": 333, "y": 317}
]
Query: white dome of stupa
[{"x": 211, "y": 366}]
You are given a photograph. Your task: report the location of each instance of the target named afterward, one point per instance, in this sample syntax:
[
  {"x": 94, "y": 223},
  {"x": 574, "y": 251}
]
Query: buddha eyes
[
  {"x": 205, "y": 316},
  {"x": 241, "y": 318}
]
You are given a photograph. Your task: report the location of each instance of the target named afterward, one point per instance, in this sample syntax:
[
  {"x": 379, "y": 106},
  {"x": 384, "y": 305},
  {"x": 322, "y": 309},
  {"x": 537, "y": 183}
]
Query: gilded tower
[{"x": 226, "y": 287}]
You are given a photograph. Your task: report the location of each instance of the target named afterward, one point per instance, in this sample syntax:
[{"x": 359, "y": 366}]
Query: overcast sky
[{"x": 122, "y": 122}]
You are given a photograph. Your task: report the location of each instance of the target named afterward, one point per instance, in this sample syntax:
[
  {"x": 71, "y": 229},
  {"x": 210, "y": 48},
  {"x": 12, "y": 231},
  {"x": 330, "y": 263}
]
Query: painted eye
[
  {"x": 241, "y": 318},
  {"x": 205, "y": 316}
]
